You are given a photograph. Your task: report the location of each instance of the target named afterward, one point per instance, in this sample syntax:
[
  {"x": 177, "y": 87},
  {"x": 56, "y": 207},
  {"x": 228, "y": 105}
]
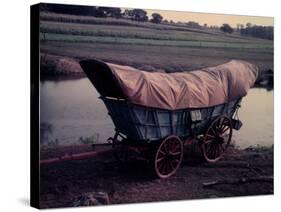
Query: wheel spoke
[
  {"x": 170, "y": 166},
  {"x": 210, "y": 151},
  {"x": 213, "y": 131},
  {"x": 220, "y": 121},
  {"x": 175, "y": 163},
  {"x": 218, "y": 151},
  {"x": 165, "y": 147},
  {"x": 160, "y": 159},
  {"x": 225, "y": 129},
  {"x": 225, "y": 122},
  {"x": 209, "y": 136},
  {"x": 161, "y": 166},
  {"x": 214, "y": 152},
  {"x": 163, "y": 153},
  {"x": 166, "y": 168},
  {"x": 223, "y": 125},
  {"x": 208, "y": 141},
  {"x": 172, "y": 162},
  {"x": 217, "y": 154}
]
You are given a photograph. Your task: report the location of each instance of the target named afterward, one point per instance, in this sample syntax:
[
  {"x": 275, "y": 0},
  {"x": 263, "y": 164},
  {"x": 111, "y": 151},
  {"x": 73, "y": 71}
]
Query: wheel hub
[{"x": 219, "y": 140}]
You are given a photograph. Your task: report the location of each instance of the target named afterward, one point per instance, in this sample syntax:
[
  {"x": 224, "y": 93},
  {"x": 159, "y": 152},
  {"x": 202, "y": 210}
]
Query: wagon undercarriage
[{"x": 165, "y": 155}]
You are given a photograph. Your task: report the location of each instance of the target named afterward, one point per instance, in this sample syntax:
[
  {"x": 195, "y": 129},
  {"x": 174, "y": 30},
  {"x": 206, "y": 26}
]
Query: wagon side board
[{"x": 150, "y": 124}]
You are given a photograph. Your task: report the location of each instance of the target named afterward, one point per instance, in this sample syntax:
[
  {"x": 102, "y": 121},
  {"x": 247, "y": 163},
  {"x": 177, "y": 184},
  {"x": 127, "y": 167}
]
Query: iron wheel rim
[{"x": 168, "y": 156}]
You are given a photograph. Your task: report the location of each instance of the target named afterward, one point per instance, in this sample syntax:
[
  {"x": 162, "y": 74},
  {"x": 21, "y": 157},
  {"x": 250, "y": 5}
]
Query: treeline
[
  {"x": 102, "y": 12},
  {"x": 140, "y": 15},
  {"x": 265, "y": 32}
]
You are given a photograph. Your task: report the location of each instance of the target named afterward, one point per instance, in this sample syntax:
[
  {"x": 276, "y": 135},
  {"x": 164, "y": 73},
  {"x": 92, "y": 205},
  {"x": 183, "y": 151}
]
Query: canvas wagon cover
[{"x": 194, "y": 89}]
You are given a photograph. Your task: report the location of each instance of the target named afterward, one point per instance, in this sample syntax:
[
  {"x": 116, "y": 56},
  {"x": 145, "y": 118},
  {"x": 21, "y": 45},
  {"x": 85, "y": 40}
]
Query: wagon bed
[{"x": 141, "y": 123}]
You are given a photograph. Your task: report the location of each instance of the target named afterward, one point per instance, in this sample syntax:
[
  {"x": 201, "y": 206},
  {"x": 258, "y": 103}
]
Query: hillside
[{"x": 146, "y": 46}]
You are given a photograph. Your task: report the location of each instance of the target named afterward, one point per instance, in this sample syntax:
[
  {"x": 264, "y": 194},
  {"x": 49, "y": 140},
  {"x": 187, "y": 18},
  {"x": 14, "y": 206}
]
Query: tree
[
  {"x": 156, "y": 18},
  {"x": 248, "y": 25},
  {"x": 265, "y": 32},
  {"x": 99, "y": 12},
  {"x": 226, "y": 28},
  {"x": 113, "y": 12},
  {"x": 238, "y": 27},
  {"x": 136, "y": 15},
  {"x": 193, "y": 24}
]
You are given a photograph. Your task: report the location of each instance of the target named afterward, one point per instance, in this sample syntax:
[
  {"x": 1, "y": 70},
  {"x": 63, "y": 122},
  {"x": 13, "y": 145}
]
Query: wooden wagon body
[{"x": 140, "y": 123}]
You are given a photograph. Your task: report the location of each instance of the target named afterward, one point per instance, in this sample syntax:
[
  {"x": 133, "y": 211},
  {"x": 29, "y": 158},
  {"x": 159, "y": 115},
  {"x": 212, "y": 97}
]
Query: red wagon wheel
[
  {"x": 217, "y": 139},
  {"x": 168, "y": 156}
]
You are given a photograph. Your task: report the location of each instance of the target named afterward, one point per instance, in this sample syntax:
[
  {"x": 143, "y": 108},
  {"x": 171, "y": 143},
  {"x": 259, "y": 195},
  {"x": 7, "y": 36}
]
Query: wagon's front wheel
[
  {"x": 168, "y": 156},
  {"x": 217, "y": 139}
]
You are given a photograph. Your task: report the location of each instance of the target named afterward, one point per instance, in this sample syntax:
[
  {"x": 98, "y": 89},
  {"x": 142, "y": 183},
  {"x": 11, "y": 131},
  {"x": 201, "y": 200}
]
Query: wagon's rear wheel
[
  {"x": 217, "y": 139},
  {"x": 168, "y": 156}
]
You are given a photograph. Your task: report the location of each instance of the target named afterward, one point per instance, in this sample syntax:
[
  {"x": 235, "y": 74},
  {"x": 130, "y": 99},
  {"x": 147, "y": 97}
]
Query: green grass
[
  {"x": 138, "y": 41},
  {"x": 134, "y": 32},
  {"x": 111, "y": 21}
]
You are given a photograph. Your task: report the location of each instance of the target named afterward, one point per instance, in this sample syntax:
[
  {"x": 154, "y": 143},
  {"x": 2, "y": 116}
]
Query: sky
[{"x": 213, "y": 19}]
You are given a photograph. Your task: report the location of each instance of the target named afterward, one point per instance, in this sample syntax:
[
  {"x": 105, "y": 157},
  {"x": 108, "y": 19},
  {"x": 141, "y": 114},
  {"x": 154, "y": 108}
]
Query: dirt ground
[{"x": 238, "y": 173}]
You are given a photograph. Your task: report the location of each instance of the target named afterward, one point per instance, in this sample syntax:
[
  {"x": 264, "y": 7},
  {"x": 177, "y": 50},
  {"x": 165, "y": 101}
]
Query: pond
[{"x": 72, "y": 113}]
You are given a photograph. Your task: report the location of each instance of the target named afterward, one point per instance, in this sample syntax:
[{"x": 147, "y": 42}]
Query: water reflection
[
  {"x": 71, "y": 112},
  {"x": 73, "y": 109},
  {"x": 257, "y": 116}
]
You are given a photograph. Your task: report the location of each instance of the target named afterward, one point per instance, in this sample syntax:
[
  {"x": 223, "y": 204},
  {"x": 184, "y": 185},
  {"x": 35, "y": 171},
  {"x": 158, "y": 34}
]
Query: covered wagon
[{"x": 162, "y": 110}]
